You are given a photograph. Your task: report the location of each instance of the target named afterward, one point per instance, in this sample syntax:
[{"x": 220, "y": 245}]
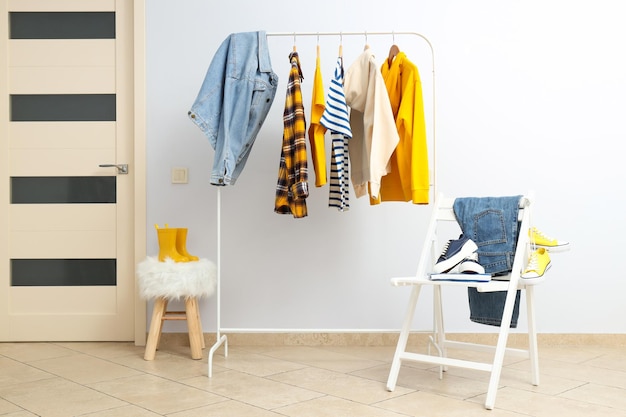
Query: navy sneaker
[{"x": 454, "y": 253}]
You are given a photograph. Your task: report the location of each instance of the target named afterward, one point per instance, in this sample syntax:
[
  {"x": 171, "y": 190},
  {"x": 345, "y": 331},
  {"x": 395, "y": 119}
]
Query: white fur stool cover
[{"x": 176, "y": 280}]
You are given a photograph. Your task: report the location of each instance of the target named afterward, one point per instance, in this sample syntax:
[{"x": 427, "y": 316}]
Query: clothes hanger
[
  {"x": 367, "y": 46},
  {"x": 340, "y": 45},
  {"x": 393, "y": 51},
  {"x": 294, "y": 41},
  {"x": 318, "y": 45}
]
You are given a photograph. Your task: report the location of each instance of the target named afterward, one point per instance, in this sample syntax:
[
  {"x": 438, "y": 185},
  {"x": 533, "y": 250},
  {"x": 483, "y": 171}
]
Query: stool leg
[
  {"x": 163, "y": 318},
  {"x": 160, "y": 304},
  {"x": 200, "y": 327},
  {"x": 193, "y": 325}
]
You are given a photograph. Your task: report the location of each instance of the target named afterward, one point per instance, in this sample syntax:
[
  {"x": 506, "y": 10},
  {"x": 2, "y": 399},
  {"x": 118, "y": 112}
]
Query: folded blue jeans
[{"x": 492, "y": 223}]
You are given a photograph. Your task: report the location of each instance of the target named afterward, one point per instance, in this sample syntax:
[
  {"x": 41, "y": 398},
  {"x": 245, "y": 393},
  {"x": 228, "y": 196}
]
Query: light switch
[{"x": 179, "y": 175}]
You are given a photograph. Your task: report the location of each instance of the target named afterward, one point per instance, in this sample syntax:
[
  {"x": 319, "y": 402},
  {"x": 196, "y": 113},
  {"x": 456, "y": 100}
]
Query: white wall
[{"x": 529, "y": 95}]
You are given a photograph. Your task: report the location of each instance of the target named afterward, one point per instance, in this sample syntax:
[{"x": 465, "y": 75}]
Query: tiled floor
[{"x": 112, "y": 379}]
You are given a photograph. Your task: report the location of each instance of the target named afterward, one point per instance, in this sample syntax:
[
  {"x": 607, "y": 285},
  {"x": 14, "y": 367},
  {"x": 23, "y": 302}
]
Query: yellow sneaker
[
  {"x": 538, "y": 264},
  {"x": 538, "y": 239}
]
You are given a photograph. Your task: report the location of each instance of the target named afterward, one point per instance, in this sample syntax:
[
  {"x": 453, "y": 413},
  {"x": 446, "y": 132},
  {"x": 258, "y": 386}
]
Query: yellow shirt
[
  {"x": 408, "y": 179},
  {"x": 316, "y": 130}
]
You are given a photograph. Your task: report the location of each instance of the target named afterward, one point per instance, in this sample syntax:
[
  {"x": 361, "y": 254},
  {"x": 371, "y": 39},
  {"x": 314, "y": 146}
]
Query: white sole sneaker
[{"x": 463, "y": 252}]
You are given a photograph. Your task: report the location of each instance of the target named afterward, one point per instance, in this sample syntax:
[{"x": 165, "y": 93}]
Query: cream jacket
[{"x": 374, "y": 133}]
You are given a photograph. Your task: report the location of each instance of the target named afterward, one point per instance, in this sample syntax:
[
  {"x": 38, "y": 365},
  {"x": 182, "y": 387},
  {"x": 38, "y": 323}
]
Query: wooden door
[{"x": 67, "y": 253}]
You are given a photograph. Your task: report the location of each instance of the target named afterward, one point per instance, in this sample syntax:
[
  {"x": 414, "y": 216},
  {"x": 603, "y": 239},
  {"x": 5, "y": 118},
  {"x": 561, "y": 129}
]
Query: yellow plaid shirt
[{"x": 292, "y": 188}]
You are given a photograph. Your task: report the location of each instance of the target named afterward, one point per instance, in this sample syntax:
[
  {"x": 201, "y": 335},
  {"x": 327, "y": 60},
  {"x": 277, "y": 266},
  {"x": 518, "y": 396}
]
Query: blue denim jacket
[
  {"x": 234, "y": 100},
  {"x": 492, "y": 223}
]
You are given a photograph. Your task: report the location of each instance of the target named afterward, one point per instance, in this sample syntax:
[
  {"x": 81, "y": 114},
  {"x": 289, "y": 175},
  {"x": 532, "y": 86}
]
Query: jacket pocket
[{"x": 259, "y": 94}]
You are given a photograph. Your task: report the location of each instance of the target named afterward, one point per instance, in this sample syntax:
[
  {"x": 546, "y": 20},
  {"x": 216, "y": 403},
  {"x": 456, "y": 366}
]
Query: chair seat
[{"x": 500, "y": 284}]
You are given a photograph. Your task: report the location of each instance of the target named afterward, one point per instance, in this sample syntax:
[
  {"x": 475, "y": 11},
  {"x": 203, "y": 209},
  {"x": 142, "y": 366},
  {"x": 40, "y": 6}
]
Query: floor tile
[
  {"x": 255, "y": 364},
  {"x": 54, "y": 397},
  {"x": 372, "y": 353},
  {"x": 6, "y": 407},
  {"x": 13, "y": 373},
  {"x": 228, "y": 408},
  {"x": 22, "y": 413},
  {"x": 579, "y": 372},
  {"x": 548, "y": 384},
  {"x": 124, "y": 411},
  {"x": 615, "y": 361},
  {"x": 329, "y": 406},
  {"x": 156, "y": 394},
  {"x": 449, "y": 385},
  {"x": 424, "y": 404},
  {"x": 168, "y": 366},
  {"x": 322, "y": 358},
  {"x": 104, "y": 350},
  {"x": 580, "y": 354},
  {"x": 599, "y": 394},
  {"x": 84, "y": 369},
  {"x": 26, "y": 352},
  {"x": 540, "y": 405},
  {"x": 253, "y": 390},
  {"x": 338, "y": 384}
]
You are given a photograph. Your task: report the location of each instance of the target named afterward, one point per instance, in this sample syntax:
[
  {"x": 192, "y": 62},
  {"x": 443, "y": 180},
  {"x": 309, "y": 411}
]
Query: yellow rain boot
[
  {"x": 181, "y": 244},
  {"x": 167, "y": 245}
]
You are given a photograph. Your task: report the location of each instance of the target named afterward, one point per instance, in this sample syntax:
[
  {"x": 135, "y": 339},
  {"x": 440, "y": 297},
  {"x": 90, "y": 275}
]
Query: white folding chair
[{"x": 443, "y": 212}]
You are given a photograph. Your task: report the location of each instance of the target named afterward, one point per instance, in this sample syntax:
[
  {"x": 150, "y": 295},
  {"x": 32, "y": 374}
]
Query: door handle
[{"x": 121, "y": 168}]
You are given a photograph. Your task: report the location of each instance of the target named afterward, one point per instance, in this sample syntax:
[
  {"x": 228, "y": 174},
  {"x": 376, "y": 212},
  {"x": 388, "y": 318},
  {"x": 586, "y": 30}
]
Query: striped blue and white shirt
[{"x": 336, "y": 118}]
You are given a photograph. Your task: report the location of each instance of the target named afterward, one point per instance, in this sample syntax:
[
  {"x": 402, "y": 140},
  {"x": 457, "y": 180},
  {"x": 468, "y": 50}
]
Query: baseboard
[{"x": 390, "y": 339}]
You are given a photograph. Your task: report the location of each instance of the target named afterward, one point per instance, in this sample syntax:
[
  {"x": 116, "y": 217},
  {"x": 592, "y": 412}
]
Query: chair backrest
[{"x": 443, "y": 212}]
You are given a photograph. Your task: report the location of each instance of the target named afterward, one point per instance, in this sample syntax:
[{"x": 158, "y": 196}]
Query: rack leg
[{"x": 220, "y": 340}]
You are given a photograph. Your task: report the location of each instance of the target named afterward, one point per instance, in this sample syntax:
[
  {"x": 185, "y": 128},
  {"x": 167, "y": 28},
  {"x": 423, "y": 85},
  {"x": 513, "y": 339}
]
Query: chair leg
[
  {"x": 403, "y": 339},
  {"x": 439, "y": 327},
  {"x": 532, "y": 335},
  {"x": 156, "y": 324},
  {"x": 498, "y": 360},
  {"x": 193, "y": 325}
]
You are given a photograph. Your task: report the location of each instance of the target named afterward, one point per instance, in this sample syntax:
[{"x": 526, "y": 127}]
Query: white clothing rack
[{"x": 222, "y": 339}]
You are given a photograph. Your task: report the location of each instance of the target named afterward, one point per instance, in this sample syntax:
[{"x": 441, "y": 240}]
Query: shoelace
[
  {"x": 537, "y": 232},
  {"x": 533, "y": 262},
  {"x": 445, "y": 249}
]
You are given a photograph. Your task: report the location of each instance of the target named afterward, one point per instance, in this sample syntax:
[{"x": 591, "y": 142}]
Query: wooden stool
[
  {"x": 169, "y": 280},
  {"x": 194, "y": 326}
]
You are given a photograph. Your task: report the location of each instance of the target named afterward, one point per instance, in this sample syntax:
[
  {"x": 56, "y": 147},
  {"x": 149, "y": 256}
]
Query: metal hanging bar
[{"x": 364, "y": 33}]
